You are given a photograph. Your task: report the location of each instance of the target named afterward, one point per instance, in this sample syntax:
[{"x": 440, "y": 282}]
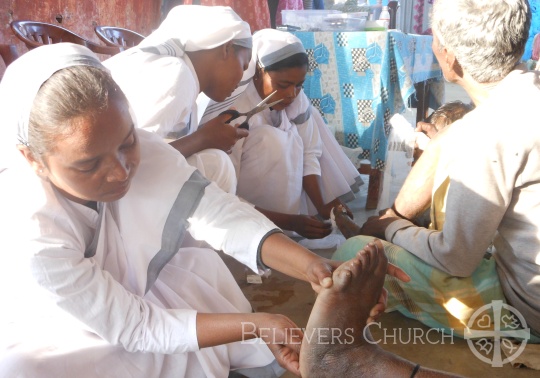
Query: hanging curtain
[{"x": 413, "y": 16}]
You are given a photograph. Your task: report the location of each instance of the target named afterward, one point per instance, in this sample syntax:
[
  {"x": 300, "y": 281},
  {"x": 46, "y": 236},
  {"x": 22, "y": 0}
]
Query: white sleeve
[
  {"x": 230, "y": 225},
  {"x": 160, "y": 89},
  {"x": 80, "y": 287}
]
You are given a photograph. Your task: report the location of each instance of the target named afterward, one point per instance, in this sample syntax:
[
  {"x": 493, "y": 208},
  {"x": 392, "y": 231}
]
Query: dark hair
[
  {"x": 69, "y": 93},
  {"x": 448, "y": 113},
  {"x": 296, "y": 60}
]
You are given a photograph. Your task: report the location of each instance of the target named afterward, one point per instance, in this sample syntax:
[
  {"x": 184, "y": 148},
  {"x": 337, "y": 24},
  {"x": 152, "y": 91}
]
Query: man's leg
[{"x": 341, "y": 311}]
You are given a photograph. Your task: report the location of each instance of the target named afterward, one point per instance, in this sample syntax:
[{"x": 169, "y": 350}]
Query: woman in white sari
[
  {"x": 196, "y": 49},
  {"x": 92, "y": 279},
  {"x": 290, "y": 167}
]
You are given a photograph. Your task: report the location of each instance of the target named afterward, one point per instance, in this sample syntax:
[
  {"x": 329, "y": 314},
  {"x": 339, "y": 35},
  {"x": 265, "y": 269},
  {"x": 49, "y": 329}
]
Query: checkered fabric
[
  {"x": 341, "y": 39},
  {"x": 352, "y": 140},
  {"x": 316, "y": 102},
  {"x": 312, "y": 64},
  {"x": 348, "y": 90},
  {"x": 365, "y": 112},
  {"x": 366, "y": 154},
  {"x": 359, "y": 59}
]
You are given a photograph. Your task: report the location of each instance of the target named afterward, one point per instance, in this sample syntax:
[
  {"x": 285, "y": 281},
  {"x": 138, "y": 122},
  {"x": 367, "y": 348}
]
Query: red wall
[{"x": 79, "y": 16}]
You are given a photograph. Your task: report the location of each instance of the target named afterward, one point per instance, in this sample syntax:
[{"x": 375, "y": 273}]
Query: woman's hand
[
  {"x": 326, "y": 209},
  {"x": 221, "y": 135},
  {"x": 309, "y": 226},
  {"x": 283, "y": 338},
  {"x": 319, "y": 273}
]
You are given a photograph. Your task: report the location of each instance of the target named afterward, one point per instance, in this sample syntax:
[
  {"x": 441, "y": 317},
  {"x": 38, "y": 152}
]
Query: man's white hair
[{"x": 488, "y": 37}]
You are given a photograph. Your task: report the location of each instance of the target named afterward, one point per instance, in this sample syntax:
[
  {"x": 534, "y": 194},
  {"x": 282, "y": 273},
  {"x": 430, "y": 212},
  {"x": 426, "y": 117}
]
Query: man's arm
[{"x": 414, "y": 196}]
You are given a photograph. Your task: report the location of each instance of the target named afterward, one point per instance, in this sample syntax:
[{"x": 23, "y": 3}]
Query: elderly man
[
  {"x": 489, "y": 172},
  {"x": 486, "y": 187}
]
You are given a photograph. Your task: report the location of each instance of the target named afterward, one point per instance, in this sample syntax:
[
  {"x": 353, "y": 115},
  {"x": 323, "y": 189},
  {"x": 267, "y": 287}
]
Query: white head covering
[
  {"x": 197, "y": 27},
  {"x": 269, "y": 46},
  {"x": 20, "y": 84},
  {"x": 272, "y": 46}
]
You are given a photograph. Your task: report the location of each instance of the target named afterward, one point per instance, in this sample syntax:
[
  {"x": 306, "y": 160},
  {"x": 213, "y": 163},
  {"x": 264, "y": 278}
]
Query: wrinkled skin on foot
[{"x": 334, "y": 343}]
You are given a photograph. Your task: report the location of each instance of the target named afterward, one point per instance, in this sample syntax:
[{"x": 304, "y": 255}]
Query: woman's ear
[
  {"x": 36, "y": 164},
  {"x": 258, "y": 78},
  {"x": 227, "y": 49}
]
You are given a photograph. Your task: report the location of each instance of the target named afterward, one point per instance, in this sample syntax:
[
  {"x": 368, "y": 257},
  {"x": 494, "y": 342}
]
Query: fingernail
[{"x": 327, "y": 282}]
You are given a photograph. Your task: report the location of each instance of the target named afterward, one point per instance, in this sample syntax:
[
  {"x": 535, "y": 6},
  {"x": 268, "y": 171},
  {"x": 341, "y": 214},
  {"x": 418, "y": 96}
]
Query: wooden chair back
[
  {"x": 120, "y": 37},
  {"x": 35, "y": 34},
  {"x": 8, "y": 53}
]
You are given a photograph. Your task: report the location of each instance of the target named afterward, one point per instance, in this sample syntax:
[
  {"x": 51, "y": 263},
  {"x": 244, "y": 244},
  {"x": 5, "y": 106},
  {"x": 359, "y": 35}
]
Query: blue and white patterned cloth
[{"x": 358, "y": 80}]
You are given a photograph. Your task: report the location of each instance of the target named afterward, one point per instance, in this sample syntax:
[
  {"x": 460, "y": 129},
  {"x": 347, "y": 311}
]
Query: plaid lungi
[{"x": 433, "y": 297}]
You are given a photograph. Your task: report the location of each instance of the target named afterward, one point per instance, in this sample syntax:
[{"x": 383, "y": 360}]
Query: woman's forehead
[{"x": 93, "y": 131}]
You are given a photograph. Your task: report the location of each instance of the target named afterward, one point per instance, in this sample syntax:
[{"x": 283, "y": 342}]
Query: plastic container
[
  {"x": 356, "y": 24},
  {"x": 308, "y": 20},
  {"x": 376, "y": 9},
  {"x": 375, "y": 26},
  {"x": 385, "y": 17},
  {"x": 343, "y": 22}
]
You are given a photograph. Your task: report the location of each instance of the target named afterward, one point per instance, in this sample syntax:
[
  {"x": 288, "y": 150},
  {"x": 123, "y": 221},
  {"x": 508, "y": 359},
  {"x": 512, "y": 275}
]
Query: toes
[
  {"x": 382, "y": 260},
  {"x": 342, "y": 278},
  {"x": 368, "y": 256}
]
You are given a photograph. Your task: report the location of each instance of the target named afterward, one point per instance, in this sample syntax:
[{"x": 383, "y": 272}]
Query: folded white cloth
[{"x": 331, "y": 241}]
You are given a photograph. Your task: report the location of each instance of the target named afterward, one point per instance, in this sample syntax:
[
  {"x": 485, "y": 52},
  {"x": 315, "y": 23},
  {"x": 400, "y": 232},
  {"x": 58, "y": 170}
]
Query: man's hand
[
  {"x": 376, "y": 225},
  {"x": 427, "y": 128}
]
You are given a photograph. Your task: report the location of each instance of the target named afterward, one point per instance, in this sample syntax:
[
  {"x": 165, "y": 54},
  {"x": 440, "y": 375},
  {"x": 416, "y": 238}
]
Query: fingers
[
  {"x": 427, "y": 128},
  {"x": 327, "y": 282},
  {"x": 348, "y": 211},
  {"x": 397, "y": 272},
  {"x": 383, "y": 212},
  {"x": 316, "y": 232},
  {"x": 288, "y": 359},
  {"x": 225, "y": 117},
  {"x": 324, "y": 275},
  {"x": 311, "y": 227},
  {"x": 379, "y": 309},
  {"x": 240, "y": 133}
]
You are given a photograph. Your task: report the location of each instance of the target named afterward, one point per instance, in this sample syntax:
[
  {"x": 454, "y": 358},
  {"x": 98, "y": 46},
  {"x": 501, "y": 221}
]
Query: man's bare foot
[
  {"x": 336, "y": 341},
  {"x": 335, "y": 328},
  {"x": 344, "y": 223}
]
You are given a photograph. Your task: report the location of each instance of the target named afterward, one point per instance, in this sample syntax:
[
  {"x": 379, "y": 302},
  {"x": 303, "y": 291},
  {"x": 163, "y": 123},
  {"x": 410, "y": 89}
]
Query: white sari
[
  {"x": 270, "y": 168},
  {"x": 111, "y": 293},
  {"x": 162, "y": 86}
]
